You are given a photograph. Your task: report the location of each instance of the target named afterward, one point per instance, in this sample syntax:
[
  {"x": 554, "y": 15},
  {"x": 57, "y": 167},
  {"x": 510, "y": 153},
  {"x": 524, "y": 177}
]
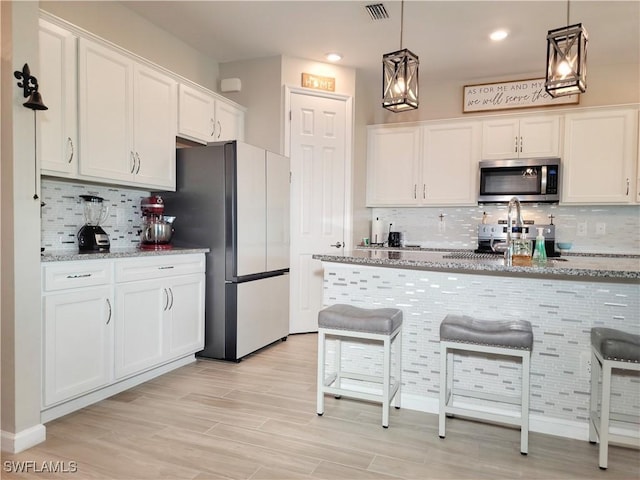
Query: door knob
[{"x": 337, "y": 245}]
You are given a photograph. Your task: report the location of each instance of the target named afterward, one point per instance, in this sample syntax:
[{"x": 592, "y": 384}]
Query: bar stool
[
  {"x": 610, "y": 349},
  {"x": 346, "y": 322},
  {"x": 513, "y": 338}
]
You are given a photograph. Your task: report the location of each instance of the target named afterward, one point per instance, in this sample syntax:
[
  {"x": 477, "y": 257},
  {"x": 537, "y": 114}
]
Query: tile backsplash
[
  {"x": 592, "y": 229},
  {"x": 434, "y": 227},
  {"x": 63, "y": 213}
]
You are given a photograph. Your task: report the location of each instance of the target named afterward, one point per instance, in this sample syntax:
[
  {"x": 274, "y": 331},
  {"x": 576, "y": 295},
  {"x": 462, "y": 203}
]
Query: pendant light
[
  {"x": 566, "y": 60},
  {"x": 400, "y": 77}
]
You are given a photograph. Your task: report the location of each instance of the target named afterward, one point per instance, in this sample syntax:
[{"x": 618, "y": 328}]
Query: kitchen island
[{"x": 563, "y": 300}]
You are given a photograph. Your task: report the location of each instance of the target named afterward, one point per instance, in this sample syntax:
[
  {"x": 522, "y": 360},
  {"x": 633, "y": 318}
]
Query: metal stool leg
[
  {"x": 524, "y": 413},
  {"x": 386, "y": 381},
  {"x": 443, "y": 390},
  {"x": 593, "y": 398},
  {"x": 321, "y": 374},
  {"x": 604, "y": 415},
  {"x": 398, "y": 373}
]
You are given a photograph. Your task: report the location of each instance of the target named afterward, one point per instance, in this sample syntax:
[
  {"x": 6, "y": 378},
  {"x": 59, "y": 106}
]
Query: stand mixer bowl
[{"x": 157, "y": 233}]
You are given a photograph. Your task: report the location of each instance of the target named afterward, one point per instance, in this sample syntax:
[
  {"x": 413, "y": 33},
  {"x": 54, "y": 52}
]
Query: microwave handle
[{"x": 543, "y": 181}]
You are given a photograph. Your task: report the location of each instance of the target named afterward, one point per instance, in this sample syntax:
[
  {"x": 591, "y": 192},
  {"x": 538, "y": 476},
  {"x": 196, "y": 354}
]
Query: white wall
[
  {"x": 261, "y": 93},
  {"x": 20, "y": 254},
  {"x": 122, "y": 26}
]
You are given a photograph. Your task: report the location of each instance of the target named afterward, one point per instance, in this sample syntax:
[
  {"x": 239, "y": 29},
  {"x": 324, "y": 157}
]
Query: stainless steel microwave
[{"x": 533, "y": 180}]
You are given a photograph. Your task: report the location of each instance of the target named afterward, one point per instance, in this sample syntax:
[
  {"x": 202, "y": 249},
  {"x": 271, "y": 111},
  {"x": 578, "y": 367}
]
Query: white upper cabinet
[
  {"x": 393, "y": 160},
  {"x": 229, "y": 122},
  {"x": 204, "y": 117},
  {"x": 436, "y": 164},
  {"x": 600, "y": 156},
  {"x": 58, "y": 129},
  {"x": 526, "y": 137},
  {"x": 196, "y": 114},
  {"x": 450, "y": 156},
  {"x": 127, "y": 119},
  {"x": 154, "y": 127}
]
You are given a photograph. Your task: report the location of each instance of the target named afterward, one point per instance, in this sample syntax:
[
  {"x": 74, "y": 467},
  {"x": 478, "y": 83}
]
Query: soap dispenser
[{"x": 540, "y": 252}]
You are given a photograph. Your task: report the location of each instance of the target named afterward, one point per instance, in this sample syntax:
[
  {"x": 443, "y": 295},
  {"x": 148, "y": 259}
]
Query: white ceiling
[{"x": 450, "y": 37}]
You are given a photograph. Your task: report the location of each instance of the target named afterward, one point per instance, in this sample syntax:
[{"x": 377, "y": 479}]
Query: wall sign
[
  {"x": 506, "y": 95},
  {"x": 316, "y": 82}
]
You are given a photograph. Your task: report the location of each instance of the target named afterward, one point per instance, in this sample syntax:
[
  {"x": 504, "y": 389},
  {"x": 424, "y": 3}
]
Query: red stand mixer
[{"x": 157, "y": 229}]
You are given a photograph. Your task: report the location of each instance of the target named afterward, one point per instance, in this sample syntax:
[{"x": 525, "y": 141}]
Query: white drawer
[
  {"x": 127, "y": 270},
  {"x": 65, "y": 275}
]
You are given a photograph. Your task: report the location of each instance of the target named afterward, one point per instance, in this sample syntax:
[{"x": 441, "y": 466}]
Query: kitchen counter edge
[
  {"x": 62, "y": 256},
  {"x": 489, "y": 267}
]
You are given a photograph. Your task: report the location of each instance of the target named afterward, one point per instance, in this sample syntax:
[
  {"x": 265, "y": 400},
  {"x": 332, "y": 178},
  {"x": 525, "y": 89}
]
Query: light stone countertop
[
  {"x": 66, "y": 255},
  {"x": 622, "y": 268}
]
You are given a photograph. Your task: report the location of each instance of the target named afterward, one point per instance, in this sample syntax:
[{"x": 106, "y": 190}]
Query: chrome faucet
[{"x": 508, "y": 253}]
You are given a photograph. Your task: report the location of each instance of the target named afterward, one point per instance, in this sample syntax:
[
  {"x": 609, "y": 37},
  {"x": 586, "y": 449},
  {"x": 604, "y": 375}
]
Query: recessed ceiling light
[
  {"x": 498, "y": 35},
  {"x": 333, "y": 57}
]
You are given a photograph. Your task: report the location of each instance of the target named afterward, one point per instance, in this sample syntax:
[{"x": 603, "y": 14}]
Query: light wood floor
[{"x": 256, "y": 420}]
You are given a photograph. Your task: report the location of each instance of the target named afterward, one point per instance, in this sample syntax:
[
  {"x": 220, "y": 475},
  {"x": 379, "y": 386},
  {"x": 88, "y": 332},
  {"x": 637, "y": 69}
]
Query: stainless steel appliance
[
  {"x": 91, "y": 237},
  {"x": 157, "y": 229},
  {"x": 234, "y": 199},
  {"x": 532, "y": 180},
  {"x": 492, "y": 237}
]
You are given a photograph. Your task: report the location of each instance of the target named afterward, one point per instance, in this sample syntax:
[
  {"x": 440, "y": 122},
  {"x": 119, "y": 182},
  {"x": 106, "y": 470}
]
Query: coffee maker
[
  {"x": 157, "y": 229},
  {"x": 91, "y": 237}
]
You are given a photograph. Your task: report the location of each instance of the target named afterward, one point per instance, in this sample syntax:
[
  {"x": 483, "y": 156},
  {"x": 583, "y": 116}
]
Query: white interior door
[{"x": 319, "y": 184}]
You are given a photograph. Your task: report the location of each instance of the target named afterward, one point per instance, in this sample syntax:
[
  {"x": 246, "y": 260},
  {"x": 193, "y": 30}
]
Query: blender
[
  {"x": 91, "y": 237},
  {"x": 157, "y": 229}
]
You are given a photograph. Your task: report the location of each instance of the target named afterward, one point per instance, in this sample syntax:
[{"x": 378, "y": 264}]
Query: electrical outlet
[
  {"x": 581, "y": 229},
  {"x": 601, "y": 228},
  {"x": 585, "y": 364}
]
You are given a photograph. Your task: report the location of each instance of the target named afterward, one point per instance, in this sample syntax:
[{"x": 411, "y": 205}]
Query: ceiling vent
[{"x": 377, "y": 11}]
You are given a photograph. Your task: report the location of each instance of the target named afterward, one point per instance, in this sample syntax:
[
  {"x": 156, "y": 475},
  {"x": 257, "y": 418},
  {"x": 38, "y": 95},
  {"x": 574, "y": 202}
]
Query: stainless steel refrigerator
[{"x": 233, "y": 198}]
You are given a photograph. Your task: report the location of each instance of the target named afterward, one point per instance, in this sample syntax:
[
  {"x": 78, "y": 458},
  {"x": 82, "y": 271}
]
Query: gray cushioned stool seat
[
  {"x": 499, "y": 333},
  {"x": 383, "y": 321},
  {"x": 616, "y": 345}
]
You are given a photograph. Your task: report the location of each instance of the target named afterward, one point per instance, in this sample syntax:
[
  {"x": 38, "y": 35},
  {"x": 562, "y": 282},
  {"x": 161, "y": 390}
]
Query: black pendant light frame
[
  {"x": 400, "y": 77},
  {"x": 566, "y": 60}
]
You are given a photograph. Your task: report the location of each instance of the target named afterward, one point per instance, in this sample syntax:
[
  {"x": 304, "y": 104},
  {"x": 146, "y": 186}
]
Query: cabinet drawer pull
[
  {"x": 70, "y": 142},
  {"x": 424, "y": 191},
  {"x": 138, "y": 157},
  {"x": 79, "y": 275},
  {"x": 515, "y": 149},
  {"x": 213, "y": 128},
  {"x": 627, "y": 187},
  {"x": 109, "y": 305},
  {"x": 171, "y": 306},
  {"x": 415, "y": 191},
  {"x": 520, "y": 144},
  {"x": 166, "y": 267},
  {"x": 219, "y": 129}
]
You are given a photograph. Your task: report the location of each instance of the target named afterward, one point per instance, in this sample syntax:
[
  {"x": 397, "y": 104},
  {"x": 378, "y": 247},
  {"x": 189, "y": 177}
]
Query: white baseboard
[
  {"x": 18, "y": 442},
  {"x": 51, "y": 413},
  {"x": 537, "y": 423}
]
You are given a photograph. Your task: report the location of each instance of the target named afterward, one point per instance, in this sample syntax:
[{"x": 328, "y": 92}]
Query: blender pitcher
[
  {"x": 95, "y": 211},
  {"x": 91, "y": 237}
]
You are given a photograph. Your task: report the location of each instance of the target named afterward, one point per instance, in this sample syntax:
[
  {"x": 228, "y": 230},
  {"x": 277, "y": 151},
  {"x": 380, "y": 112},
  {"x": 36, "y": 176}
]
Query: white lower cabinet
[
  {"x": 139, "y": 327},
  {"x": 78, "y": 342},
  {"x": 157, "y": 320},
  {"x": 111, "y": 324}
]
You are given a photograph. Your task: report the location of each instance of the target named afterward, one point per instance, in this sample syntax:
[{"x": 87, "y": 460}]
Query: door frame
[{"x": 348, "y": 150}]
